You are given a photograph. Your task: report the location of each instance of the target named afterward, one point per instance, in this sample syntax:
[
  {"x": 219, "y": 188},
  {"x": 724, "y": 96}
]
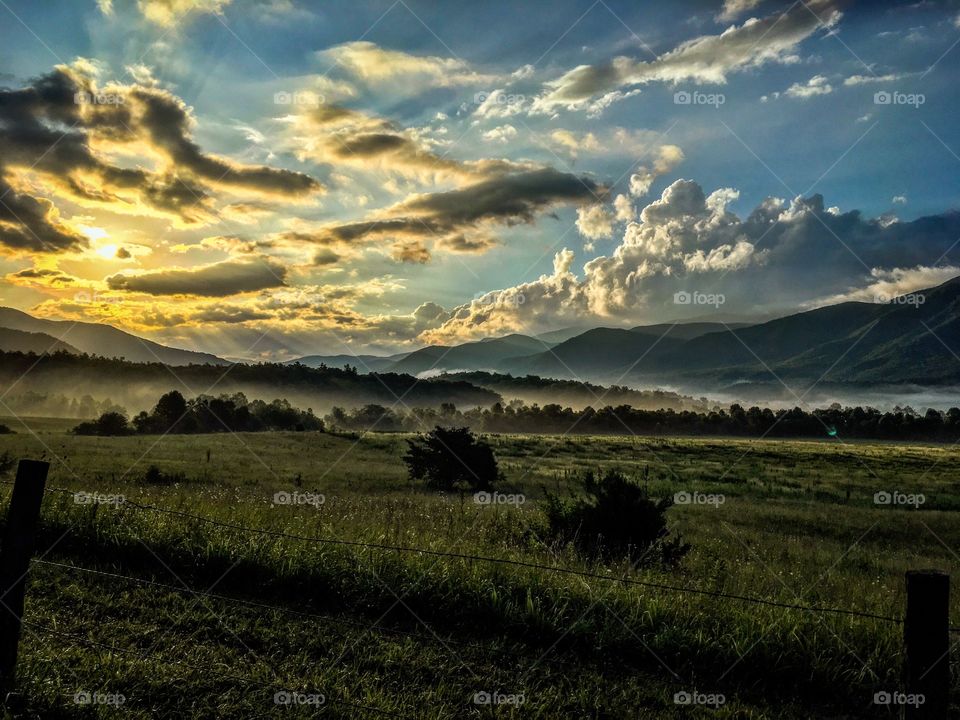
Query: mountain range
[
  {"x": 913, "y": 339},
  {"x": 90, "y": 338}
]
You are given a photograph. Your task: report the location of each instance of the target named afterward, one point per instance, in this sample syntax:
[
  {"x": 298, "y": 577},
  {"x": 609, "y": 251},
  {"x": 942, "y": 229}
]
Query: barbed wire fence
[{"x": 927, "y": 646}]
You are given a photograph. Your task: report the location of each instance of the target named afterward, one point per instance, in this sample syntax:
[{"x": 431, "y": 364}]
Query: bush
[
  {"x": 452, "y": 459},
  {"x": 616, "y": 519},
  {"x": 156, "y": 476},
  {"x": 110, "y": 423},
  {"x": 7, "y": 463},
  {"x": 4, "y": 430}
]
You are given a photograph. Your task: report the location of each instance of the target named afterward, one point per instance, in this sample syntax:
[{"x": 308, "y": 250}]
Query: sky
[{"x": 274, "y": 178}]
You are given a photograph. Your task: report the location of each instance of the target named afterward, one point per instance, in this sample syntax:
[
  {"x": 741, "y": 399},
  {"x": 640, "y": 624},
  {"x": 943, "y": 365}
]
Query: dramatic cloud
[
  {"x": 460, "y": 220},
  {"x": 377, "y": 66},
  {"x": 219, "y": 280},
  {"x": 778, "y": 257},
  {"x": 229, "y": 314},
  {"x": 884, "y": 285},
  {"x": 61, "y": 132},
  {"x": 707, "y": 59},
  {"x": 33, "y": 224},
  {"x": 166, "y": 122},
  {"x": 732, "y": 9},
  {"x": 340, "y": 136},
  {"x": 168, "y": 13}
]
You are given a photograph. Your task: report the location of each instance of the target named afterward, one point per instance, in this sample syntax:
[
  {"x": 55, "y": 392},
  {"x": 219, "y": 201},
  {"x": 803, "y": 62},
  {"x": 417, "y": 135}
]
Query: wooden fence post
[
  {"x": 19, "y": 539},
  {"x": 926, "y": 634}
]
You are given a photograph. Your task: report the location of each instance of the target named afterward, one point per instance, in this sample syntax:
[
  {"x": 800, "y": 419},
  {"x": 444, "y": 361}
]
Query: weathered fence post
[
  {"x": 19, "y": 538},
  {"x": 926, "y": 634}
]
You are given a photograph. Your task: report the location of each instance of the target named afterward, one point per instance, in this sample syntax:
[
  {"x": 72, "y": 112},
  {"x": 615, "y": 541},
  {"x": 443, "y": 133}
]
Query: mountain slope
[
  {"x": 480, "y": 355},
  {"x": 595, "y": 353},
  {"x": 910, "y": 340},
  {"x": 687, "y": 331},
  {"x": 31, "y": 342},
  {"x": 852, "y": 342},
  {"x": 774, "y": 341},
  {"x": 104, "y": 340}
]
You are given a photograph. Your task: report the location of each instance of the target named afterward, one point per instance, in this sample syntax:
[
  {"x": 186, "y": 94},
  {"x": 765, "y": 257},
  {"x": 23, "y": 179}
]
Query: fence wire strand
[
  {"x": 420, "y": 637},
  {"x": 494, "y": 560}
]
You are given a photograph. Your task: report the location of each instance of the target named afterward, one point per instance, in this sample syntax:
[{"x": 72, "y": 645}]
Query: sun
[{"x": 108, "y": 251}]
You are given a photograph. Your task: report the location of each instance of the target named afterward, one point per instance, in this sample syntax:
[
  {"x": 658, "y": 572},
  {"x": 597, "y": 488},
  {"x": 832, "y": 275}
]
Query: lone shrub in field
[
  {"x": 156, "y": 476},
  {"x": 4, "y": 430},
  {"x": 452, "y": 459},
  {"x": 615, "y": 518}
]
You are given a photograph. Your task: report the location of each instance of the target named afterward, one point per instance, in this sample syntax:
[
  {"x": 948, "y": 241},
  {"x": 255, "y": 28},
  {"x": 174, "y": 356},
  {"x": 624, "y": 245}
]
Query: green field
[{"x": 798, "y": 525}]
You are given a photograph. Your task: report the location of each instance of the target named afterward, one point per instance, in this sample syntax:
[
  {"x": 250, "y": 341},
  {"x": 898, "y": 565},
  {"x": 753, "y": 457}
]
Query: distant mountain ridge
[
  {"x": 479, "y": 355},
  {"x": 103, "y": 340},
  {"x": 914, "y": 339}
]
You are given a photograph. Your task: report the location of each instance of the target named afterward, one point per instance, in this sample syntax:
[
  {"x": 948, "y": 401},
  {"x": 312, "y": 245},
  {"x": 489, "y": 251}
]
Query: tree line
[
  {"x": 516, "y": 417},
  {"x": 65, "y": 371},
  {"x": 31, "y": 402},
  {"x": 173, "y": 413}
]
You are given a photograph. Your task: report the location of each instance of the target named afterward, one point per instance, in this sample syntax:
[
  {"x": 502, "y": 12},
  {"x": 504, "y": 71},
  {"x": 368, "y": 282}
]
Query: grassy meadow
[{"x": 790, "y": 521}]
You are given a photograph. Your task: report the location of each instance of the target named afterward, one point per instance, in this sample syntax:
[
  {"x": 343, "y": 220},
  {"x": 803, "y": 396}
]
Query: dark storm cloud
[
  {"x": 164, "y": 118},
  {"x": 219, "y": 280},
  {"x": 29, "y": 223},
  {"x": 453, "y": 218},
  {"x": 48, "y": 126}
]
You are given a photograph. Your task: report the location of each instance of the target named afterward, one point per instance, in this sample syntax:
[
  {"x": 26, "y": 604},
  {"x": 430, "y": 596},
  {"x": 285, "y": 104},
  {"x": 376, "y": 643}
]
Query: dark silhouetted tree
[
  {"x": 452, "y": 459},
  {"x": 615, "y": 519}
]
